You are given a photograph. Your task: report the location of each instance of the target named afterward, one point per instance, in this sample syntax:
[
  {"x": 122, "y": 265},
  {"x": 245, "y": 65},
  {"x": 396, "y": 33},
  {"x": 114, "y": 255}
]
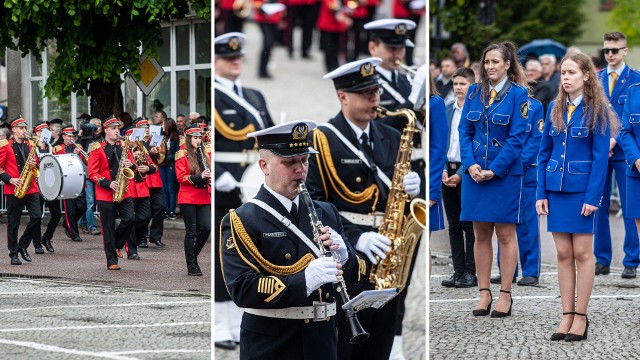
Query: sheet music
[{"x": 371, "y": 298}]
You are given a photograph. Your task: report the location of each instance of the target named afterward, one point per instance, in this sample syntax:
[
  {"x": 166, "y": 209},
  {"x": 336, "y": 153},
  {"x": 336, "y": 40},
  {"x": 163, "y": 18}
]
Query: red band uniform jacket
[
  {"x": 11, "y": 164},
  {"x": 103, "y": 168},
  {"x": 193, "y": 188}
]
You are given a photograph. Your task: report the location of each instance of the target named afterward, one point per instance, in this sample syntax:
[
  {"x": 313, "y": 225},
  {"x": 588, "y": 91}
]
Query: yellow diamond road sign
[{"x": 150, "y": 74}]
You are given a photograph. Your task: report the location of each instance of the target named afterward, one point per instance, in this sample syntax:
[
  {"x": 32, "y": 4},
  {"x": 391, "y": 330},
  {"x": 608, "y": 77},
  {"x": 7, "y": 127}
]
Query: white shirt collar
[
  {"x": 576, "y": 101},
  {"x": 228, "y": 83},
  {"x": 618, "y": 70},
  {"x": 500, "y": 85},
  {"x": 359, "y": 131},
  {"x": 283, "y": 200},
  {"x": 384, "y": 72},
  {"x": 455, "y": 105}
]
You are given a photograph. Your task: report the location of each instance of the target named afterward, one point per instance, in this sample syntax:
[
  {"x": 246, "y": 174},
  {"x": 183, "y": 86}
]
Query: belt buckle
[
  {"x": 319, "y": 311},
  {"x": 375, "y": 224},
  {"x": 453, "y": 166}
]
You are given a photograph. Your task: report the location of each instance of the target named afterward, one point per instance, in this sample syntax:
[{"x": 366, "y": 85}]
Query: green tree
[
  {"x": 96, "y": 40},
  {"x": 519, "y": 21},
  {"x": 625, "y": 17}
]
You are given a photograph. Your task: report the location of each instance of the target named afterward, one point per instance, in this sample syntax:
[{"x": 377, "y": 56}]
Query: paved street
[
  {"x": 456, "y": 334},
  {"x": 297, "y": 91},
  {"x": 67, "y": 305}
]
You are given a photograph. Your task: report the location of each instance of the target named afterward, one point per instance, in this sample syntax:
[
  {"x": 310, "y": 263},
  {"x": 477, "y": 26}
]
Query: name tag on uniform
[
  {"x": 387, "y": 102},
  {"x": 229, "y": 112},
  {"x": 350, "y": 161},
  {"x": 274, "y": 234}
]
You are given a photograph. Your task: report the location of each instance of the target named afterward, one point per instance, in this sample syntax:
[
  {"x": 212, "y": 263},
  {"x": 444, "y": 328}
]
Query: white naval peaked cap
[
  {"x": 356, "y": 75},
  {"x": 229, "y": 44},
  {"x": 392, "y": 32},
  {"x": 288, "y": 139}
]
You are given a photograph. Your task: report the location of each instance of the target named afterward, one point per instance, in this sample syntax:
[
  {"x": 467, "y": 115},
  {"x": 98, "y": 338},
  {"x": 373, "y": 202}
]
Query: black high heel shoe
[
  {"x": 574, "y": 337},
  {"x": 561, "y": 336},
  {"x": 500, "y": 314},
  {"x": 484, "y": 312}
]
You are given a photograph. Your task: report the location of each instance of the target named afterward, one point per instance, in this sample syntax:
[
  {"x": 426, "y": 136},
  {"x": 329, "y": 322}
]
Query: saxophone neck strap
[{"x": 286, "y": 222}]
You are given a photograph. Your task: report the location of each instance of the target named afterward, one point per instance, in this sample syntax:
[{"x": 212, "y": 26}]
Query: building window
[
  {"x": 185, "y": 56},
  {"x": 607, "y": 5}
]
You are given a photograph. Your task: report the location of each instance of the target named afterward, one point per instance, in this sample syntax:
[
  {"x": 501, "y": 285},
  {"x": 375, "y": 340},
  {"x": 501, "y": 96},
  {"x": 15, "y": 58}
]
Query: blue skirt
[
  {"x": 436, "y": 216},
  {"x": 497, "y": 200},
  {"x": 564, "y": 214},
  {"x": 632, "y": 208}
]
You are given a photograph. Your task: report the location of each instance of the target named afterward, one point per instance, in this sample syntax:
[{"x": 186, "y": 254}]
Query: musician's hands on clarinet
[
  {"x": 321, "y": 271},
  {"x": 373, "y": 244},
  {"x": 334, "y": 241}
]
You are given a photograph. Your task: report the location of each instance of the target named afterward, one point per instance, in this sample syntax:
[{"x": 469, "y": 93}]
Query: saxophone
[
  {"x": 141, "y": 159},
  {"x": 123, "y": 174},
  {"x": 404, "y": 232},
  {"x": 28, "y": 172}
]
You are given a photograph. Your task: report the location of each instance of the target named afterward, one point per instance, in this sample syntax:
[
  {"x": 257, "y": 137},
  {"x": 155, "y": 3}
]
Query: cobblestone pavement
[
  {"x": 297, "y": 91},
  {"x": 47, "y": 319},
  {"x": 454, "y": 333}
]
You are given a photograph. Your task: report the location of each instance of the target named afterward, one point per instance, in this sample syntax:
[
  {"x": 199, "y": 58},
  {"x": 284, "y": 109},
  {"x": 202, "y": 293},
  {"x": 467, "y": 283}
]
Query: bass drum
[
  {"x": 252, "y": 179},
  {"x": 61, "y": 177}
]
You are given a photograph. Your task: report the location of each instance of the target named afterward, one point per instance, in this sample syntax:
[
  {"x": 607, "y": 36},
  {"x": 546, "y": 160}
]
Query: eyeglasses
[
  {"x": 368, "y": 92},
  {"x": 614, "y": 51}
]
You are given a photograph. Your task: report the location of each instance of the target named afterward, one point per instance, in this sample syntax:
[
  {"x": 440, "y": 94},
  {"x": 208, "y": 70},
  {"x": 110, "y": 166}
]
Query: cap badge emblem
[
  {"x": 401, "y": 29},
  {"x": 234, "y": 43},
  {"x": 299, "y": 132},
  {"x": 366, "y": 69}
]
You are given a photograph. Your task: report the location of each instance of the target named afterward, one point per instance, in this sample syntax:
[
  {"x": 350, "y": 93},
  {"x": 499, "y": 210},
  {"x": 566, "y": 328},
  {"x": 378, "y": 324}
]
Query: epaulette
[
  {"x": 4, "y": 142},
  {"x": 96, "y": 145},
  {"x": 534, "y": 99},
  {"x": 182, "y": 139},
  {"x": 636, "y": 71},
  {"x": 56, "y": 148},
  {"x": 180, "y": 154},
  {"x": 520, "y": 86}
]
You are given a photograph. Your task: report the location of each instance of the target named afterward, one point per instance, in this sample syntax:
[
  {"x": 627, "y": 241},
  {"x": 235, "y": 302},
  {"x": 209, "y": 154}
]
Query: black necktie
[
  {"x": 294, "y": 213},
  {"x": 393, "y": 79},
  {"x": 236, "y": 89},
  {"x": 365, "y": 145}
]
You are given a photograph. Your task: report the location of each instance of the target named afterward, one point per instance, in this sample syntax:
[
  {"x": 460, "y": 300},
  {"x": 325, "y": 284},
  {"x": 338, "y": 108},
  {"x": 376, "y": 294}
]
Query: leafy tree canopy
[
  {"x": 626, "y": 16},
  {"x": 520, "y": 21},
  {"x": 97, "y": 40}
]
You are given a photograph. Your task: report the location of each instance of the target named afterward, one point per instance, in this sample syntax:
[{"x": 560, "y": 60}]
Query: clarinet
[{"x": 359, "y": 335}]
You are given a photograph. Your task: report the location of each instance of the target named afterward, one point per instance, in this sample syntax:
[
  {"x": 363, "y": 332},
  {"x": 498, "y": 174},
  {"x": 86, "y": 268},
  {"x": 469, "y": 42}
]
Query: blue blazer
[
  {"x": 573, "y": 160},
  {"x": 618, "y": 97},
  {"x": 438, "y": 131},
  {"x": 630, "y": 132},
  {"x": 493, "y": 136},
  {"x": 534, "y": 130}
]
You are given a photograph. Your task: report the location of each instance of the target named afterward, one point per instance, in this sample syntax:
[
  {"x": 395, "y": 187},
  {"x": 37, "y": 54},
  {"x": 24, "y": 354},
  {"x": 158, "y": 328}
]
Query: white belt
[
  {"x": 417, "y": 154},
  {"x": 374, "y": 221},
  {"x": 248, "y": 157},
  {"x": 318, "y": 312}
]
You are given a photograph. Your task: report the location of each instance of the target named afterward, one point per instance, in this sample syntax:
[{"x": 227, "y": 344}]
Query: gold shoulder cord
[
  {"x": 322, "y": 145},
  {"x": 238, "y": 229},
  {"x": 229, "y": 133}
]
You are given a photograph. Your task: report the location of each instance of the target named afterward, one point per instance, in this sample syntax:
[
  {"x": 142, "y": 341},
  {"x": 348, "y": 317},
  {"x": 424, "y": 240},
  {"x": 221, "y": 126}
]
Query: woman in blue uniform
[
  {"x": 630, "y": 142},
  {"x": 492, "y": 133},
  {"x": 437, "y": 156},
  {"x": 572, "y": 165}
]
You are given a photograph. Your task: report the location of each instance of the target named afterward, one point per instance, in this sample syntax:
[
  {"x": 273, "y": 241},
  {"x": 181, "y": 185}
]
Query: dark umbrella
[{"x": 540, "y": 47}]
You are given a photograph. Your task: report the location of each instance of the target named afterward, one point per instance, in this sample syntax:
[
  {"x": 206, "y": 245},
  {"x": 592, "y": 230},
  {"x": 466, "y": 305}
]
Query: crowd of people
[
  {"x": 138, "y": 183},
  {"x": 545, "y": 137}
]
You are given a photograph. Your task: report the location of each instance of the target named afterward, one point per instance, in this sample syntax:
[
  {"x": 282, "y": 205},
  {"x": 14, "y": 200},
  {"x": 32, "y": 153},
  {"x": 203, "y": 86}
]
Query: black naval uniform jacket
[
  {"x": 267, "y": 338},
  {"x": 236, "y": 117},
  {"x": 350, "y": 170}
]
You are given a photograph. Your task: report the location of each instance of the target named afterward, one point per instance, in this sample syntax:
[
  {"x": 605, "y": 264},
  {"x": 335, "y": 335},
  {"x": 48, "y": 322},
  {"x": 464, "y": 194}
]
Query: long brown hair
[
  {"x": 509, "y": 52},
  {"x": 597, "y": 112},
  {"x": 433, "y": 90},
  {"x": 192, "y": 156}
]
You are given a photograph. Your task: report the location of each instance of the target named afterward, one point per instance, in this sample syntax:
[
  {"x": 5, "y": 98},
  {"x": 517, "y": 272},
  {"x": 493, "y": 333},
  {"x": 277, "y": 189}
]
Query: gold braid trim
[
  {"x": 229, "y": 133},
  {"x": 340, "y": 188},
  {"x": 238, "y": 228}
]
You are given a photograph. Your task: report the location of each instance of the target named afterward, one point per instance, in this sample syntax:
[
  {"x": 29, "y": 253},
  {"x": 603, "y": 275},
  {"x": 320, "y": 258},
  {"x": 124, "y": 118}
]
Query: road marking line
[
  {"x": 158, "y": 351},
  {"x": 41, "y": 292},
  {"x": 449, "y": 275},
  {"x": 44, "y": 347},
  {"x": 104, "y": 305},
  {"x": 537, "y": 297},
  {"x": 105, "y": 326}
]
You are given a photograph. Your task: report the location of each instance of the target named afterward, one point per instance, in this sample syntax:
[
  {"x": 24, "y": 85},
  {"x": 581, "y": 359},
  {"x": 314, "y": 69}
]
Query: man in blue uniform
[
  {"x": 272, "y": 265},
  {"x": 616, "y": 79}
]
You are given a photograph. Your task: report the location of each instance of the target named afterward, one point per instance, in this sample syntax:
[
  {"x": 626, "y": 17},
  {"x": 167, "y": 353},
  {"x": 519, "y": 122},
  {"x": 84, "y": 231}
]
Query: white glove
[
  {"x": 372, "y": 244},
  {"x": 342, "y": 249},
  {"x": 226, "y": 182},
  {"x": 411, "y": 183},
  {"x": 320, "y": 271}
]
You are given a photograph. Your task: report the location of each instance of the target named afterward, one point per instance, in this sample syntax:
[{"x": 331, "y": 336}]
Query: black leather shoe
[
  {"x": 561, "y": 336},
  {"x": 528, "y": 281},
  {"x": 66, "y": 232},
  {"x": 451, "y": 282},
  {"x": 498, "y": 280},
  {"x": 194, "y": 271},
  {"x": 500, "y": 314},
  {"x": 15, "y": 260},
  {"x": 39, "y": 249},
  {"x": 143, "y": 244},
  {"x": 629, "y": 272},
  {"x": 483, "y": 312},
  {"x": 78, "y": 239},
  {"x": 466, "y": 281},
  {"x": 159, "y": 243},
  {"x": 133, "y": 257},
  {"x": 601, "y": 269},
  {"x": 25, "y": 255},
  {"x": 227, "y": 345},
  {"x": 574, "y": 337},
  {"x": 48, "y": 246}
]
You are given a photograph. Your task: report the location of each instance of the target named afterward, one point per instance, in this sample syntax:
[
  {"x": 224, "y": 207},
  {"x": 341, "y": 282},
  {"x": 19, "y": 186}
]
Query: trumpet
[
  {"x": 84, "y": 153},
  {"x": 406, "y": 68}
]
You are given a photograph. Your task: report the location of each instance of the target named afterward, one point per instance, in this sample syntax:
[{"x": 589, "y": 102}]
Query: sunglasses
[{"x": 614, "y": 51}]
